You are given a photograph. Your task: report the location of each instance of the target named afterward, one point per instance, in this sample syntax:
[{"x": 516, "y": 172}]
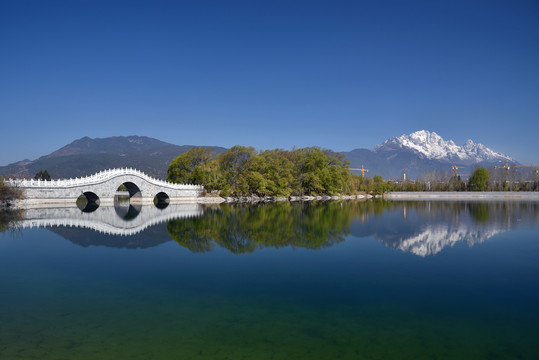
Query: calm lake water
[{"x": 334, "y": 280}]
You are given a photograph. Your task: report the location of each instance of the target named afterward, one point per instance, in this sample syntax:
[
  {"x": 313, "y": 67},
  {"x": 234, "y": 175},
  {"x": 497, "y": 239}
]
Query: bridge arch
[
  {"x": 91, "y": 196},
  {"x": 161, "y": 200},
  {"x": 88, "y": 201},
  {"x": 132, "y": 189}
]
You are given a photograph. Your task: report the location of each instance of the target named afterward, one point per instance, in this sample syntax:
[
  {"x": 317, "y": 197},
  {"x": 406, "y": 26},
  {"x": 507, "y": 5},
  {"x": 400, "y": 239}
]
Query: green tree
[
  {"x": 43, "y": 175},
  {"x": 322, "y": 171},
  {"x": 234, "y": 165},
  {"x": 279, "y": 171},
  {"x": 379, "y": 185},
  {"x": 479, "y": 180},
  {"x": 196, "y": 166}
]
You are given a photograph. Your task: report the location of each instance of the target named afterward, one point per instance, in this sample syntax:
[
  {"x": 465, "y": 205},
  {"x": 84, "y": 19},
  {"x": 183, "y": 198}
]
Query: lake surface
[{"x": 333, "y": 280}]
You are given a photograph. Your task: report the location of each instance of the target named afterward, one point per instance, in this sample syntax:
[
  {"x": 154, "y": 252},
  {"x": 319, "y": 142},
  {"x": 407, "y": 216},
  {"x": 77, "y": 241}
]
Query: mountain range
[
  {"x": 421, "y": 152},
  {"x": 412, "y": 154}
]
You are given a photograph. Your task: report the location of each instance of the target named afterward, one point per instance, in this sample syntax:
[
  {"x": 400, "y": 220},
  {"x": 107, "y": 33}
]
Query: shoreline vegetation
[
  {"x": 310, "y": 172},
  {"x": 242, "y": 174},
  {"x": 242, "y": 171},
  {"x": 9, "y": 196}
]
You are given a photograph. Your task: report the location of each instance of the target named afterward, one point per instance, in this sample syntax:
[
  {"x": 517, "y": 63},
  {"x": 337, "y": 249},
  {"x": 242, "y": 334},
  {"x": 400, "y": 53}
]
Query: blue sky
[{"x": 271, "y": 74}]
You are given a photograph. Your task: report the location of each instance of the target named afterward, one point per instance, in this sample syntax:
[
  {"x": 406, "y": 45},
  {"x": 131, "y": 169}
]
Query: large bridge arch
[{"x": 132, "y": 188}]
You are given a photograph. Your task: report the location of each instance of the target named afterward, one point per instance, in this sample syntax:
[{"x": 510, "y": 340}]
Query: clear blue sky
[{"x": 336, "y": 74}]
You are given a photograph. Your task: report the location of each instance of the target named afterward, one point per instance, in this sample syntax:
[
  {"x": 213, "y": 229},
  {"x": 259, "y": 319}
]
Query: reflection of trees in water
[
  {"x": 9, "y": 219},
  {"x": 245, "y": 228},
  {"x": 457, "y": 211},
  {"x": 479, "y": 211},
  {"x": 421, "y": 227}
]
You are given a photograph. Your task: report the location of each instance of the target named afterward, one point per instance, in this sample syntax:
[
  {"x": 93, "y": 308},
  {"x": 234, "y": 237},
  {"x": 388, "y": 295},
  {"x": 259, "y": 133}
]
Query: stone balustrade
[{"x": 97, "y": 178}]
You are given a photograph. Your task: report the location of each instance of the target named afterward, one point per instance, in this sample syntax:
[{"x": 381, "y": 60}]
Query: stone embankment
[
  {"x": 416, "y": 196},
  {"x": 22, "y": 204},
  {"x": 478, "y": 195},
  {"x": 254, "y": 198}
]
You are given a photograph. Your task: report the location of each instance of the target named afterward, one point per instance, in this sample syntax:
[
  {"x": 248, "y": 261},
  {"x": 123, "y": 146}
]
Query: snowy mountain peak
[
  {"x": 425, "y": 136},
  {"x": 434, "y": 147},
  {"x": 469, "y": 144}
]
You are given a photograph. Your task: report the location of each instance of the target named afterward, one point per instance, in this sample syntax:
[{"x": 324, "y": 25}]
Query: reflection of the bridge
[{"x": 107, "y": 219}]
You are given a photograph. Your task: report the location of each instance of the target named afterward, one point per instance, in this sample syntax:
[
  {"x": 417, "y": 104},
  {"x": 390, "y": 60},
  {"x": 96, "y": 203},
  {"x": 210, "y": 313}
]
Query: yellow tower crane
[
  {"x": 530, "y": 166},
  {"x": 363, "y": 170},
  {"x": 455, "y": 168},
  {"x": 507, "y": 168}
]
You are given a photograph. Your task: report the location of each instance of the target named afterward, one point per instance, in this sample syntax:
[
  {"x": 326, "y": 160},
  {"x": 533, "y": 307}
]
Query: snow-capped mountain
[
  {"x": 424, "y": 152},
  {"x": 433, "y": 147}
]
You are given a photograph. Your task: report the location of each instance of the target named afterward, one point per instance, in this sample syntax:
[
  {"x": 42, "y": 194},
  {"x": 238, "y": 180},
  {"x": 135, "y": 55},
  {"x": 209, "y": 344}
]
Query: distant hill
[
  {"x": 118, "y": 145},
  {"x": 86, "y": 156}
]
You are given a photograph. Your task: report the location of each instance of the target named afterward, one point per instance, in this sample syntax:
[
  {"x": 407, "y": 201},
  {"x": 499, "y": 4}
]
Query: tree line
[
  {"x": 482, "y": 179},
  {"x": 243, "y": 171}
]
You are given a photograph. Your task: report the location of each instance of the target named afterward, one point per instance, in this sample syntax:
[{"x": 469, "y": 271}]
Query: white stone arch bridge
[{"x": 103, "y": 186}]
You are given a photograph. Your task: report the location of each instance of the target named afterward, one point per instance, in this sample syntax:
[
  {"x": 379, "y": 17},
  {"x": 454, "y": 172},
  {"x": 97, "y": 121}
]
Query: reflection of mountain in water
[
  {"x": 149, "y": 237},
  {"x": 426, "y": 228},
  {"x": 432, "y": 240}
]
